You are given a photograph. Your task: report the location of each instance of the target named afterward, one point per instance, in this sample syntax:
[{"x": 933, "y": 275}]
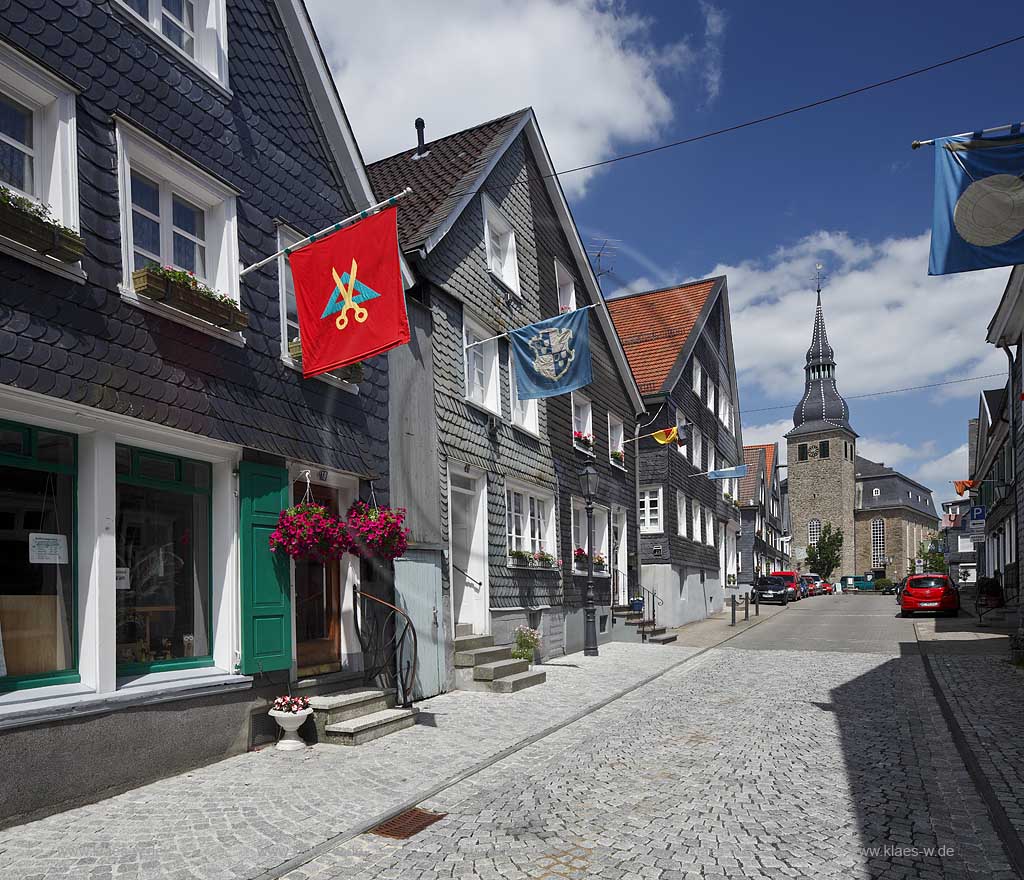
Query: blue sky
[{"x": 837, "y": 184}]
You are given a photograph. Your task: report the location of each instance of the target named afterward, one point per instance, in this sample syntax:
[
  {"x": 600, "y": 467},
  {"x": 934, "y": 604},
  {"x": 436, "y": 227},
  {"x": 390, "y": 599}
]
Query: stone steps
[
  {"x": 662, "y": 639},
  {"x": 366, "y": 728},
  {"x": 512, "y": 683},
  {"x": 482, "y": 655},
  {"x": 480, "y": 665},
  {"x": 499, "y": 669}
]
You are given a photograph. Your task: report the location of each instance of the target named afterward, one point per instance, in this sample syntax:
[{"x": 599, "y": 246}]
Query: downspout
[
  {"x": 1012, "y": 402},
  {"x": 636, "y": 505}
]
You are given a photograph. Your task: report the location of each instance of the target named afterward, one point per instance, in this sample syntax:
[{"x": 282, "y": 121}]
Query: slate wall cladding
[
  {"x": 460, "y": 282},
  {"x": 82, "y": 343},
  {"x": 663, "y": 465}
]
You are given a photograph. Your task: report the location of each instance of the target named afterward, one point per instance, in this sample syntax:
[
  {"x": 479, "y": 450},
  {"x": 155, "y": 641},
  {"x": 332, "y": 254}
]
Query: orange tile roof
[
  {"x": 752, "y": 457},
  {"x": 654, "y": 327}
]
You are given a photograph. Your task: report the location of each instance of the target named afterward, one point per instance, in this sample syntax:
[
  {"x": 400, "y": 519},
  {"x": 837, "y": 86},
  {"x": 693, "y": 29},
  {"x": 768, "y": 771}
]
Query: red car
[
  {"x": 792, "y": 579},
  {"x": 826, "y": 589},
  {"x": 929, "y": 592}
]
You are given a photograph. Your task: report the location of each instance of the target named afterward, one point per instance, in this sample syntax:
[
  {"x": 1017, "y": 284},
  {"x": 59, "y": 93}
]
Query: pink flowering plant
[
  {"x": 377, "y": 531},
  {"x": 310, "y": 531},
  {"x": 583, "y": 439},
  {"x": 294, "y": 705},
  {"x": 527, "y": 639}
]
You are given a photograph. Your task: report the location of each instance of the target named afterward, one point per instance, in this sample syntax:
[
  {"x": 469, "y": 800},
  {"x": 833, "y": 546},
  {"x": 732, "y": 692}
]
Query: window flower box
[
  {"x": 30, "y": 224},
  {"x": 541, "y": 559},
  {"x": 353, "y": 373},
  {"x": 185, "y": 292},
  {"x": 583, "y": 441},
  {"x": 600, "y": 563},
  {"x": 618, "y": 457},
  {"x": 519, "y": 559}
]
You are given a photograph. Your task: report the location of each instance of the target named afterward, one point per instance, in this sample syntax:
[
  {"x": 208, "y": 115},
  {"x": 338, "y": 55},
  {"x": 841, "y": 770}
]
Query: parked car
[
  {"x": 808, "y": 583},
  {"x": 853, "y": 582},
  {"x": 792, "y": 579},
  {"x": 772, "y": 589},
  {"x": 826, "y": 588},
  {"x": 929, "y": 592}
]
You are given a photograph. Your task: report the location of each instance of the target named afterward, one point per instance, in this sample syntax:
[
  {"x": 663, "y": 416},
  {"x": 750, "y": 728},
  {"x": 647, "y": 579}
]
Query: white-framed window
[
  {"x": 696, "y": 444},
  {"x": 697, "y": 375},
  {"x": 616, "y": 441},
  {"x": 38, "y": 143},
  {"x": 174, "y": 214},
  {"x": 580, "y": 537},
  {"x": 876, "y": 492},
  {"x": 709, "y": 526},
  {"x": 566, "y": 288},
  {"x": 530, "y": 523},
  {"x": 524, "y": 412},
  {"x": 582, "y": 423},
  {"x": 710, "y": 402},
  {"x": 500, "y": 245},
  {"x": 481, "y": 365},
  {"x": 651, "y": 513},
  {"x": 711, "y": 457},
  {"x": 813, "y": 532},
  {"x": 681, "y": 448},
  {"x": 682, "y": 514},
  {"x": 197, "y": 29},
  {"x": 877, "y": 543},
  {"x": 287, "y": 237},
  {"x": 725, "y": 409},
  {"x": 695, "y": 519}
]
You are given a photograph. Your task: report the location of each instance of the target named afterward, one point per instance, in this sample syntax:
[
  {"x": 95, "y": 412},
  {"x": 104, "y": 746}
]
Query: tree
[
  {"x": 826, "y": 556},
  {"x": 934, "y": 561}
]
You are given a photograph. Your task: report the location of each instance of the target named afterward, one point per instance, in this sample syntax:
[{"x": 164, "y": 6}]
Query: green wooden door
[{"x": 266, "y": 576}]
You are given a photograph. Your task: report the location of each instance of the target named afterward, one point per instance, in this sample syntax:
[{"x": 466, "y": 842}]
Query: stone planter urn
[{"x": 290, "y": 722}]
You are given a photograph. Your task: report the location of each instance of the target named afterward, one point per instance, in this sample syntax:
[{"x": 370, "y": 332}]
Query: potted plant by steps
[
  {"x": 183, "y": 291},
  {"x": 29, "y": 223},
  {"x": 353, "y": 373},
  {"x": 519, "y": 558},
  {"x": 579, "y": 556},
  {"x": 527, "y": 642},
  {"x": 600, "y": 563},
  {"x": 543, "y": 559},
  {"x": 290, "y": 713}
]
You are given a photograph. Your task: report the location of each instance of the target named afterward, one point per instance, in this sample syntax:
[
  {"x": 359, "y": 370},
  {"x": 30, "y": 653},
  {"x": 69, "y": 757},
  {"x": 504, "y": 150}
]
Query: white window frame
[
  {"x": 586, "y": 426},
  {"x": 525, "y": 413},
  {"x": 696, "y": 519},
  {"x": 681, "y": 448},
  {"x": 710, "y": 400},
  {"x": 711, "y": 457},
  {"x": 813, "y": 531},
  {"x": 696, "y": 451},
  {"x": 697, "y": 376},
  {"x": 709, "y": 526},
  {"x": 878, "y": 542},
  {"x": 876, "y": 492},
  {"x": 489, "y": 397},
  {"x": 210, "y": 33},
  {"x": 565, "y": 285},
  {"x": 509, "y": 274},
  {"x": 616, "y": 439},
  {"x": 54, "y": 134},
  {"x": 532, "y": 539},
  {"x": 138, "y": 152},
  {"x": 682, "y": 515},
  {"x": 649, "y": 523},
  {"x": 602, "y": 530}
]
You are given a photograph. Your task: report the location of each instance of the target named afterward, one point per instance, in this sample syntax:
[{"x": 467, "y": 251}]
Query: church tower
[{"x": 821, "y": 456}]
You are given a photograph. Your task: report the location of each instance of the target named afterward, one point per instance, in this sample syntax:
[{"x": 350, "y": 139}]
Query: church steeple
[{"x": 822, "y": 407}]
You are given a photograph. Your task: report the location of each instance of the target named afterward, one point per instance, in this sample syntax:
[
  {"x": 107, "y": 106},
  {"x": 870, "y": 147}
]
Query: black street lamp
[{"x": 589, "y": 481}]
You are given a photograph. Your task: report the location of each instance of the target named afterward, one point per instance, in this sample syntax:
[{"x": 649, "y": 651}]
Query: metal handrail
[
  {"x": 380, "y": 663},
  {"x": 472, "y": 580},
  {"x": 651, "y": 600}
]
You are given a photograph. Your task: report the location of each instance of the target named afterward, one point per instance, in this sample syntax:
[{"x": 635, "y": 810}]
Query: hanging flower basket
[
  {"x": 353, "y": 373},
  {"x": 310, "y": 531},
  {"x": 185, "y": 292},
  {"x": 377, "y": 531},
  {"x": 30, "y": 224}
]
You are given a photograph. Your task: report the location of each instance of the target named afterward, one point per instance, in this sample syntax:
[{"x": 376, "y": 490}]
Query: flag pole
[
  {"x": 348, "y": 221},
  {"x": 918, "y": 144},
  {"x": 503, "y": 335}
]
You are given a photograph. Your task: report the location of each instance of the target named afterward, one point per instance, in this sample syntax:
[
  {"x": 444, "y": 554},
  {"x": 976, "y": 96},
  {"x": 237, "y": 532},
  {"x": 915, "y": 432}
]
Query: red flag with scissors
[{"x": 349, "y": 295}]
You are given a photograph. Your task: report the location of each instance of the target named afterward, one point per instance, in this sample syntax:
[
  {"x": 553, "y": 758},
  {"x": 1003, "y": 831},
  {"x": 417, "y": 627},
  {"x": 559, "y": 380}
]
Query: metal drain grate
[{"x": 405, "y": 825}]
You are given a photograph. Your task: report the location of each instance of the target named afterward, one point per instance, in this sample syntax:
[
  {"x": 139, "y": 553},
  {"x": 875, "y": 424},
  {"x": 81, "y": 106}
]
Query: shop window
[
  {"x": 38, "y": 629},
  {"x": 163, "y": 561}
]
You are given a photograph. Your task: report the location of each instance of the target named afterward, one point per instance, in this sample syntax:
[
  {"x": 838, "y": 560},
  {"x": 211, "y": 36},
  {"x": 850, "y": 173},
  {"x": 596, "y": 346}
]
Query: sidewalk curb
[{"x": 343, "y": 837}]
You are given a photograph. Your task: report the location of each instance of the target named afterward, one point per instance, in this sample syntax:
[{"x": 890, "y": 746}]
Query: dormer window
[
  {"x": 500, "y": 244},
  {"x": 566, "y": 289},
  {"x": 195, "y": 28}
]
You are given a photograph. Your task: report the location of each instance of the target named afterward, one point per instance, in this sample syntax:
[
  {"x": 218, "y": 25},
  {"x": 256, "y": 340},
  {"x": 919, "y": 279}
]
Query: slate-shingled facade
[
  {"x": 104, "y": 390},
  {"x": 760, "y": 499},
  {"x": 679, "y": 344},
  {"x": 504, "y": 486}
]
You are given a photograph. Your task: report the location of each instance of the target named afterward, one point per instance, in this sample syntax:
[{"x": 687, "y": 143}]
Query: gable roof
[
  {"x": 752, "y": 458},
  {"x": 465, "y": 160},
  {"x": 440, "y": 180},
  {"x": 655, "y": 326}
]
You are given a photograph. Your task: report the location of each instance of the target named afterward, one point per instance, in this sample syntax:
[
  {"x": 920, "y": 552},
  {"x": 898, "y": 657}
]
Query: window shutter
[{"x": 266, "y": 576}]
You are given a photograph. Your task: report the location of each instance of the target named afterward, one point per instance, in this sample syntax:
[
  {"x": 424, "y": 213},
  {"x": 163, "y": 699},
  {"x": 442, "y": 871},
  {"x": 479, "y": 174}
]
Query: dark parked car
[{"x": 772, "y": 589}]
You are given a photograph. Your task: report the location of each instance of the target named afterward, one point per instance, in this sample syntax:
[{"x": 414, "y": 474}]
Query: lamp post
[{"x": 589, "y": 481}]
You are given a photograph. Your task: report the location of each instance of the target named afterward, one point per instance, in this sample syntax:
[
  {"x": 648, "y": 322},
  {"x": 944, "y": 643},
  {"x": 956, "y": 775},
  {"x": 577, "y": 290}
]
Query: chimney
[{"x": 421, "y": 149}]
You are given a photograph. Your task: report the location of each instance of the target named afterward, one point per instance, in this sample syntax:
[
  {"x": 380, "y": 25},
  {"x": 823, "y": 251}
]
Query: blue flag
[
  {"x": 978, "y": 215},
  {"x": 552, "y": 357},
  {"x": 733, "y": 473}
]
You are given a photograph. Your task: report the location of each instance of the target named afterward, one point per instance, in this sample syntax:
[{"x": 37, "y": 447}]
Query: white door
[{"x": 468, "y": 560}]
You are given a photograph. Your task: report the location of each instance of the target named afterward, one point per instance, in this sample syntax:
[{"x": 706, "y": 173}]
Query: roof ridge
[
  {"x": 462, "y": 131},
  {"x": 666, "y": 289}
]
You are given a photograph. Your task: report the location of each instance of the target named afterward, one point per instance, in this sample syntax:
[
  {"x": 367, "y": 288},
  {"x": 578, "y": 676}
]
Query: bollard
[
  {"x": 757, "y": 604},
  {"x": 733, "y": 612},
  {"x": 746, "y": 607}
]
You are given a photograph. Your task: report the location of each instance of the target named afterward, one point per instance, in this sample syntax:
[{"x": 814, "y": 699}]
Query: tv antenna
[{"x": 602, "y": 249}]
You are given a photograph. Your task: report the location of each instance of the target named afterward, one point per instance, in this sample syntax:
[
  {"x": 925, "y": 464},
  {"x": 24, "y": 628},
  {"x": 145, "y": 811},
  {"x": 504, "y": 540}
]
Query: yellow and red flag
[
  {"x": 666, "y": 436},
  {"x": 349, "y": 294}
]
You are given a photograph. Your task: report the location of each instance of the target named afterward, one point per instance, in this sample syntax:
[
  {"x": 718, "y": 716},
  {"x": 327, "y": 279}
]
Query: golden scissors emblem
[{"x": 359, "y": 313}]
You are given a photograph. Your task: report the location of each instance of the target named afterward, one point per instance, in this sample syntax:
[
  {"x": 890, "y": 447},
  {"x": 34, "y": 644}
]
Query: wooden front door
[{"x": 317, "y": 601}]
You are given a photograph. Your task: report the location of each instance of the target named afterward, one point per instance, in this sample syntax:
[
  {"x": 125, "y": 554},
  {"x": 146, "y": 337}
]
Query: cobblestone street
[{"x": 753, "y": 759}]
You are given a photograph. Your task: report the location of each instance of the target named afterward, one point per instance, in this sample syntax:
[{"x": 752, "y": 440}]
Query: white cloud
[
  {"x": 938, "y": 473},
  {"x": 891, "y": 452},
  {"x": 592, "y": 70},
  {"x": 770, "y": 432}
]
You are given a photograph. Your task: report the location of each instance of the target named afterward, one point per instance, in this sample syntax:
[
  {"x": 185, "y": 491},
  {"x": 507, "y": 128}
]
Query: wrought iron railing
[
  {"x": 649, "y": 601},
  {"x": 388, "y": 640}
]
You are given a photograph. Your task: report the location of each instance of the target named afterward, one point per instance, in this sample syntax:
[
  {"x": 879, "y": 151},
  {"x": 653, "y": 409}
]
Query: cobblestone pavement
[
  {"x": 243, "y": 816},
  {"x": 986, "y": 695}
]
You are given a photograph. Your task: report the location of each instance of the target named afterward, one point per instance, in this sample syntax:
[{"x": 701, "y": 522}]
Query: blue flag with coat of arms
[{"x": 552, "y": 357}]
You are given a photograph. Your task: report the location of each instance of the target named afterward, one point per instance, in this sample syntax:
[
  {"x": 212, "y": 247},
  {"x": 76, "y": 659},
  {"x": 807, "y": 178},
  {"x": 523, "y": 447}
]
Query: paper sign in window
[{"x": 46, "y": 549}]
